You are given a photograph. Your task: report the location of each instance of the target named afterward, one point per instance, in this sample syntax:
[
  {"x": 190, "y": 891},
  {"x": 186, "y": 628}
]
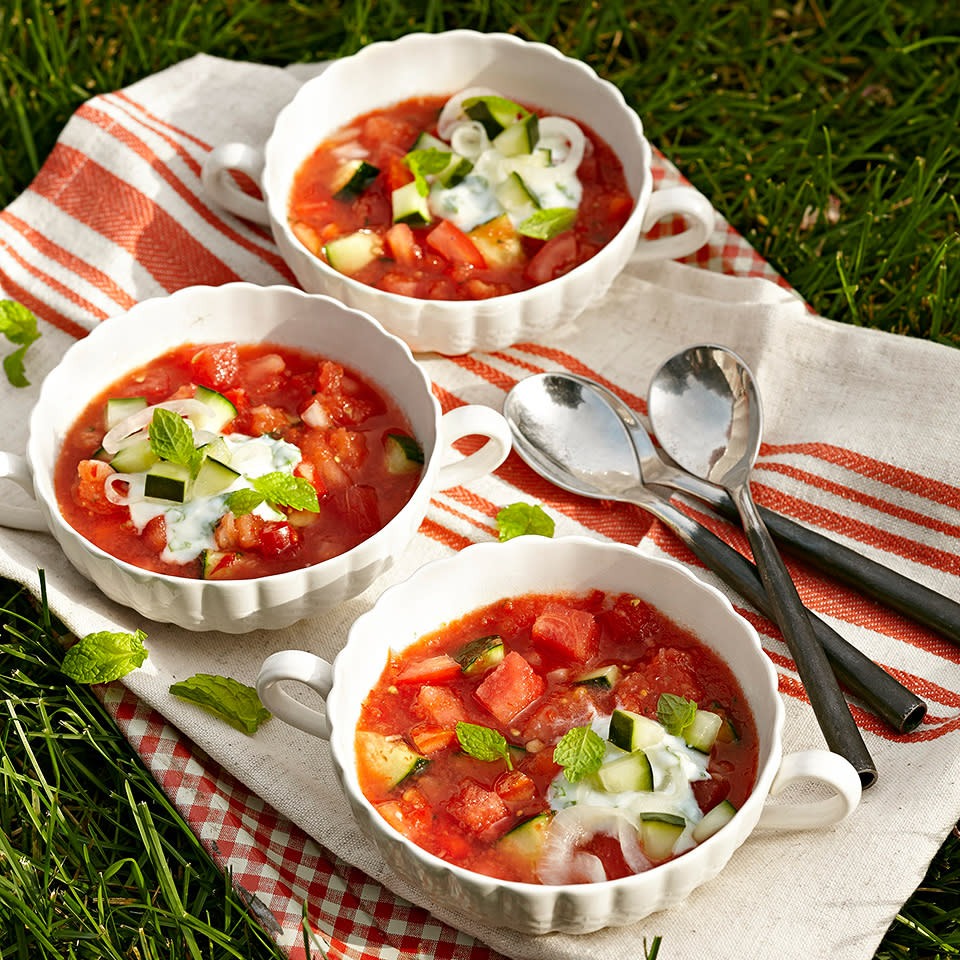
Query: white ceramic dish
[
  {"x": 437, "y": 64},
  {"x": 446, "y": 590},
  {"x": 248, "y": 314}
]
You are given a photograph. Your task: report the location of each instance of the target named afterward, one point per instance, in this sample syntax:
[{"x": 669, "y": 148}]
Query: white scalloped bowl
[
  {"x": 248, "y": 314},
  {"x": 432, "y": 64},
  {"x": 446, "y": 590}
]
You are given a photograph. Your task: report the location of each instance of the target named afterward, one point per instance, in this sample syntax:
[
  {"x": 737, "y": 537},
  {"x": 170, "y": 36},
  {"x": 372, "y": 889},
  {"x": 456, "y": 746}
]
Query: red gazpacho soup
[
  {"x": 557, "y": 739},
  {"x": 231, "y": 461},
  {"x": 459, "y": 197}
]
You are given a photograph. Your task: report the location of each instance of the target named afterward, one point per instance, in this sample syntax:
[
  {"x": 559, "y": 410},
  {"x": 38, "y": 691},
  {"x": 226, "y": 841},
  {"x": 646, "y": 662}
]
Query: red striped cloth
[{"x": 856, "y": 446}]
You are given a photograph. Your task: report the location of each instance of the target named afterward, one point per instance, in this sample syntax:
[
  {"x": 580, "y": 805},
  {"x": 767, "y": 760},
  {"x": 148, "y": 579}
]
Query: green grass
[{"x": 827, "y": 135}]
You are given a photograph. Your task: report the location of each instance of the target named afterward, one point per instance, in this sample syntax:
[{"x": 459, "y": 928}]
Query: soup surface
[
  {"x": 423, "y": 200},
  {"x": 227, "y": 461},
  {"x": 557, "y": 739}
]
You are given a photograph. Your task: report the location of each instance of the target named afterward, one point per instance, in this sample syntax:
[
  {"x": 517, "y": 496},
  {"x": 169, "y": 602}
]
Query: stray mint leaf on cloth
[
  {"x": 483, "y": 742},
  {"x": 232, "y": 701},
  {"x": 675, "y": 713},
  {"x": 19, "y": 325},
  {"x": 580, "y": 752},
  {"x": 521, "y": 519},
  {"x": 102, "y": 657}
]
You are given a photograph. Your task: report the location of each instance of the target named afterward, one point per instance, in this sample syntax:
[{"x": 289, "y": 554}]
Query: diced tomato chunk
[
  {"x": 155, "y": 533},
  {"x": 709, "y": 793},
  {"x": 567, "y": 632},
  {"x": 432, "y": 670},
  {"x": 515, "y": 785},
  {"x": 451, "y": 242},
  {"x": 217, "y": 365},
  {"x": 553, "y": 259},
  {"x": 562, "y": 710},
  {"x": 510, "y": 687},
  {"x": 670, "y": 670},
  {"x": 265, "y": 419},
  {"x": 307, "y": 470},
  {"x": 90, "y": 492},
  {"x": 403, "y": 246},
  {"x": 440, "y": 705},
  {"x": 429, "y": 738},
  {"x": 238, "y": 533},
  {"x": 476, "y": 807},
  {"x": 276, "y": 537}
]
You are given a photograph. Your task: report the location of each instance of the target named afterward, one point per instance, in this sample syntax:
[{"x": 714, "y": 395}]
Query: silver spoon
[
  {"x": 705, "y": 410},
  {"x": 565, "y": 427}
]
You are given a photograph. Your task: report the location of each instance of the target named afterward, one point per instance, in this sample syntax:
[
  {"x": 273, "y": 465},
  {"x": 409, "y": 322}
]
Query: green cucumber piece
[
  {"x": 455, "y": 171},
  {"x": 403, "y": 453},
  {"x": 702, "y": 733},
  {"x": 409, "y": 206},
  {"x": 213, "y": 477},
  {"x": 350, "y": 253},
  {"x": 390, "y": 761},
  {"x": 427, "y": 141},
  {"x": 515, "y": 196},
  {"x": 526, "y": 839},
  {"x": 659, "y": 833},
  {"x": 629, "y": 731},
  {"x": 603, "y": 678},
  {"x": 217, "y": 450},
  {"x": 167, "y": 481},
  {"x": 480, "y": 655},
  {"x": 352, "y": 179},
  {"x": 493, "y": 113},
  {"x": 220, "y": 411},
  {"x": 632, "y": 772},
  {"x": 119, "y": 408},
  {"x": 136, "y": 457},
  {"x": 713, "y": 820},
  {"x": 519, "y": 137},
  {"x": 214, "y": 563},
  {"x": 100, "y": 454}
]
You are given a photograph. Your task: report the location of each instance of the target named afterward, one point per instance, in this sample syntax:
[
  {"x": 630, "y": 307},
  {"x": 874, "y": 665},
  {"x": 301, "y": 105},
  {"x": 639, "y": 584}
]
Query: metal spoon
[
  {"x": 568, "y": 430},
  {"x": 705, "y": 410}
]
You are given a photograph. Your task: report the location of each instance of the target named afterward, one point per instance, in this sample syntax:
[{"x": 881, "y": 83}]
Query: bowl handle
[
  {"x": 688, "y": 203},
  {"x": 21, "y": 518},
  {"x": 824, "y": 767},
  {"x": 219, "y": 183},
  {"x": 297, "y": 666},
  {"x": 474, "y": 418}
]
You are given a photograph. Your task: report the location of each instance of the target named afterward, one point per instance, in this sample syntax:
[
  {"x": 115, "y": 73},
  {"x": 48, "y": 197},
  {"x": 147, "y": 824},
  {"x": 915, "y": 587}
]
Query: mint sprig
[
  {"x": 580, "y": 752},
  {"x": 546, "y": 224},
  {"x": 483, "y": 743},
  {"x": 523, "y": 519},
  {"x": 104, "y": 656},
  {"x": 172, "y": 439},
  {"x": 278, "y": 488},
  {"x": 675, "y": 713},
  {"x": 232, "y": 701},
  {"x": 424, "y": 163},
  {"x": 19, "y": 325}
]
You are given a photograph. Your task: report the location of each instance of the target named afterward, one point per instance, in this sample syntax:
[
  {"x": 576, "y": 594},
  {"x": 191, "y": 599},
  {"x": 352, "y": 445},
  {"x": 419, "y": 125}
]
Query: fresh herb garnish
[
  {"x": 423, "y": 163},
  {"x": 104, "y": 656},
  {"x": 229, "y": 699},
  {"x": 19, "y": 326},
  {"x": 546, "y": 224},
  {"x": 676, "y": 713},
  {"x": 281, "y": 489},
  {"x": 522, "y": 519},
  {"x": 172, "y": 439},
  {"x": 483, "y": 742},
  {"x": 580, "y": 752}
]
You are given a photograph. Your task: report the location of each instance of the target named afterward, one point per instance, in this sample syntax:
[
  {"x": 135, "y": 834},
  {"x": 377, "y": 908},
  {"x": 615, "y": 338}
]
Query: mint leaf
[
  {"x": 483, "y": 742},
  {"x": 521, "y": 519},
  {"x": 675, "y": 713},
  {"x": 244, "y": 501},
  {"x": 423, "y": 163},
  {"x": 102, "y": 657},
  {"x": 286, "y": 490},
  {"x": 229, "y": 699},
  {"x": 546, "y": 224},
  {"x": 172, "y": 439},
  {"x": 19, "y": 325},
  {"x": 580, "y": 752}
]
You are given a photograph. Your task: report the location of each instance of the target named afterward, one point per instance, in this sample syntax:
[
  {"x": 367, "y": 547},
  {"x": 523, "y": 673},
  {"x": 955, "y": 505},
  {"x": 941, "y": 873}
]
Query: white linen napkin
[{"x": 855, "y": 439}]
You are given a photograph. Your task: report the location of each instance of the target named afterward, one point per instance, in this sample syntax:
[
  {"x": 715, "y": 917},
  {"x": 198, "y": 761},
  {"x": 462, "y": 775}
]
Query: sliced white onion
[
  {"x": 122, "y": 431},
  {"x": 572, "y": 827},
  {"x": 557, "y": 133},
  {"x": 351, "y": 151},
  {"x": 469, "y": 139},
  {"x": 453, "y": 109},
  {"x": 315, "y": 415},
  {"x": 135, "y": 487}
]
